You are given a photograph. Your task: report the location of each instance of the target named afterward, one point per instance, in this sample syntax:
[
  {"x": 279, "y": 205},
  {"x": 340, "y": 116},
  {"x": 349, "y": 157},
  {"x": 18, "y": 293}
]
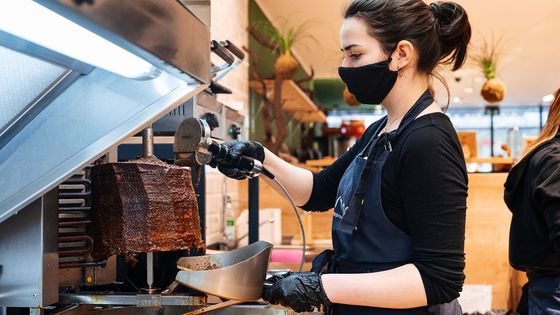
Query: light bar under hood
[
  {"x": 50, "y": 30},
  {"x": 82, "y": 114}
]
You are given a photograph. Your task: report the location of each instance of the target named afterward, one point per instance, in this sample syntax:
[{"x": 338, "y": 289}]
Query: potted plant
[
  {"x": 493, "y": 90},
  {"x": 285, "y": 68},
  {"x": 282, "y": 41}
]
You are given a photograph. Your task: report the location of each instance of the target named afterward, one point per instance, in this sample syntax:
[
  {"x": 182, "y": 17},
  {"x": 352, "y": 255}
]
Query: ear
[{"x": 403, "y": 55}]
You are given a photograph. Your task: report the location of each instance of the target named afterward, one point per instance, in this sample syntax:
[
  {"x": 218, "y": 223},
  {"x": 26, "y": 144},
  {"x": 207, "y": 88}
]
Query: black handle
[
  {"x": 248, "y": 164},
  {"x": 223, "y": 53},
  {"x": 245, "y": 163},
  {"x": 234, "y": 49}
]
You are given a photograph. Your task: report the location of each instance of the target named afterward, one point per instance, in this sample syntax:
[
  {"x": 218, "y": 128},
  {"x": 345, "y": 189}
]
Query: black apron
[{"x": 364, "y": 239}]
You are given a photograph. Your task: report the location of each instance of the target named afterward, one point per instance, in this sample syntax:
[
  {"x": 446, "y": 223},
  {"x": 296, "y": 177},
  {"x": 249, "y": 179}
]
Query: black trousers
[{"x": 541, "y": 296}]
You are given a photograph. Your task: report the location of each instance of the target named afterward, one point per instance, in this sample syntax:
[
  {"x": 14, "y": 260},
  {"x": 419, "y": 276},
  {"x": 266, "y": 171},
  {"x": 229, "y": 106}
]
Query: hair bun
[
  {"x": 454, "y": 32},
  {"x": 446, "y": 13},
  {"x": 436, "y": 10}
]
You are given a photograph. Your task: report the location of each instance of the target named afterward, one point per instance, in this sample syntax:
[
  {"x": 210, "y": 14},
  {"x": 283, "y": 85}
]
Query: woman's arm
[
  {"x": 398, "y": 288},
  {"x": 313, "y": 192},
  {"x": 297, "y": 181},
  {"x": 433, "y": 192}
]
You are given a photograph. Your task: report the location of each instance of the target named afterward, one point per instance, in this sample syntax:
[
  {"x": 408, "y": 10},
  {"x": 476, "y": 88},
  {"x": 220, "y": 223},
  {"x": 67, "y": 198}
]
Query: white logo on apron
[{"x": 343, "y": 207}]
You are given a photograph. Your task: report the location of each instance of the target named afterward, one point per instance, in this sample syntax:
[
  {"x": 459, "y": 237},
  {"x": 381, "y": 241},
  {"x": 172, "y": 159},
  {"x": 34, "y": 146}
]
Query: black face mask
[{"x": 371, "y": 83}]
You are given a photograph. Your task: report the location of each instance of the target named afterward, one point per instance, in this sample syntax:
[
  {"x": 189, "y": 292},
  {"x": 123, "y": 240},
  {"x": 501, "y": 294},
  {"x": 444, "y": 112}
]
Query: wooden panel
[
  {"x": 518, "y": 280},
  {"x": 487, "y": 233},
  {"x": 468, "y": 143},
  {"x": 493, "y": 160}
]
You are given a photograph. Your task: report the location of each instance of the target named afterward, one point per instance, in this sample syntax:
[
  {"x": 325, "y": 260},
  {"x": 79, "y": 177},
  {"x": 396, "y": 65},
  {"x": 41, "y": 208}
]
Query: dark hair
[{"x": 440, "y": 31}]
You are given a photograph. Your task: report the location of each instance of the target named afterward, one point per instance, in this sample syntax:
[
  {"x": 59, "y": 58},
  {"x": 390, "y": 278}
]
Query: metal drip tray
[
  {"x": 258, "y": 310},
  {"x": 178, "y": 310},
  {"x": 237, "y": 275}
]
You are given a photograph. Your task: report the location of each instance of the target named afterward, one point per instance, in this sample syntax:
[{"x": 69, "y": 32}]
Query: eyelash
[{"x": 354, "y": 57}]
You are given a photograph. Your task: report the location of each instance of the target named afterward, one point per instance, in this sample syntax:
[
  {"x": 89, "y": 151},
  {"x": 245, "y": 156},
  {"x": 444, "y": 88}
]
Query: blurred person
[{"x": 532, "y": 193}]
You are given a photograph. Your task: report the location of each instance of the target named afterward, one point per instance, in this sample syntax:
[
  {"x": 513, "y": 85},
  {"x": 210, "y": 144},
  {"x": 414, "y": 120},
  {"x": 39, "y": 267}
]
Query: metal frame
[
  {"x": 160, "y": 31},
  {"x": 253, "y": 210},
  {"x": 29, "y": 255},
  {"x": 141, "y": 300}
]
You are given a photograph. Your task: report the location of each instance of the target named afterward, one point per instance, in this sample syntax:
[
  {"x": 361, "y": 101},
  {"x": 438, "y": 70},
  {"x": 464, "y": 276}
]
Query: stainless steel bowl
[{"x": 236, "y": 275}]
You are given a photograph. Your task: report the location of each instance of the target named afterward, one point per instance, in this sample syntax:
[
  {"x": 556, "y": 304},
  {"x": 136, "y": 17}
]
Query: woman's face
[{"x": 358, "y": 46}]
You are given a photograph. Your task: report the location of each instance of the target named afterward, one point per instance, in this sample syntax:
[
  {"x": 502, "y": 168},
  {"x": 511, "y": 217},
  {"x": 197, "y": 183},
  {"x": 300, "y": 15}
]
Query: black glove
[
  {"x": 300, "y": 291},
  {"x": 235, "y": 149}
]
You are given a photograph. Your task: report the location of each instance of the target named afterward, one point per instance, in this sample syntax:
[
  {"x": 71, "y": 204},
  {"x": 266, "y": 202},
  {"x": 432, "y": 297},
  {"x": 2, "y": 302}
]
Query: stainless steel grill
[{"x": 62, "y": 115}]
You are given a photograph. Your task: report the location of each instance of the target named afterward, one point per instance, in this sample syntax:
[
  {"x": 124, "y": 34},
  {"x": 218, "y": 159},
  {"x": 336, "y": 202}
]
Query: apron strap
[
  {"x": 350, "y": 219},
  {"x": 320, "y": 263}
]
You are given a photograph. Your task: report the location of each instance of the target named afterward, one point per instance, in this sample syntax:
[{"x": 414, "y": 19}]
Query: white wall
[{"x": 229, "y": 20}]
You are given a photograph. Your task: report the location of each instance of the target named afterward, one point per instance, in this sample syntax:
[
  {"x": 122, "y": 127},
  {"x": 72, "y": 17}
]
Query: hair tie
[{"x": 436, "y": 9}]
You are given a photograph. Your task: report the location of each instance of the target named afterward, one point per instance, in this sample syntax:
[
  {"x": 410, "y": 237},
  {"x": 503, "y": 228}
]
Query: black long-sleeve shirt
[{"x": 424, "y": 190}]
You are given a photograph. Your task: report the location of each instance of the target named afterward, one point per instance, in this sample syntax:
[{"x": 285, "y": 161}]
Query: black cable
[
  {"x": 271, "y": 176},
  {"x": 219, "y": 154},
  {"x": 267, "y": 173}
]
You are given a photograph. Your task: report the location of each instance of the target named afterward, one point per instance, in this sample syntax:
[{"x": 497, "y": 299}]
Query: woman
[
  {"x": 399, "y": 194},
  {"x": 532, "y": 193}
]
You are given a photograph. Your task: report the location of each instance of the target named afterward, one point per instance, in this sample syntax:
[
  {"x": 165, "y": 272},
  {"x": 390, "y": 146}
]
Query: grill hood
[{"x": 59, "y": 112}]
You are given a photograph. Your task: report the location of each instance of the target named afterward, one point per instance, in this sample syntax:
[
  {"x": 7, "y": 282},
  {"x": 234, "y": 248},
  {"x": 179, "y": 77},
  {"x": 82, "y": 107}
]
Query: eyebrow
[{"x": 348, "y": 47}]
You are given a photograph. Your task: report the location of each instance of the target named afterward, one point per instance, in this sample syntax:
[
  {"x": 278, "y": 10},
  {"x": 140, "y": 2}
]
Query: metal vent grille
[
  {"x": 74, "y": 199},
  {"x": 25, "y": 78}
]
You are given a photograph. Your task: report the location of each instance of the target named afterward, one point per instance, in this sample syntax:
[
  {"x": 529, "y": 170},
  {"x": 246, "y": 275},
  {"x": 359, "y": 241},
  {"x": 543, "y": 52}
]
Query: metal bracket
[{"x": 139, "y": 300}]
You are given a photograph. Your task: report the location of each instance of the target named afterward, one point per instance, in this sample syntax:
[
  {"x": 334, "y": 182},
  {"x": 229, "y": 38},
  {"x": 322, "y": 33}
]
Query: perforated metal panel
[{"x": 25, "y": 78}]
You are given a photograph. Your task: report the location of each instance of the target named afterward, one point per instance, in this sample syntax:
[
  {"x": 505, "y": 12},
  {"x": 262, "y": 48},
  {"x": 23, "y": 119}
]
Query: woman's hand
[
  {"x": 235, "y": 149},
  {"x": 301, "y": 291}
]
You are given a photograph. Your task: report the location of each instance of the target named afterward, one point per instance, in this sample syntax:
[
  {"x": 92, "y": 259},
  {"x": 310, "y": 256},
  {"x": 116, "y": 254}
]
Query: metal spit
[{"x": 148, "y": 142}]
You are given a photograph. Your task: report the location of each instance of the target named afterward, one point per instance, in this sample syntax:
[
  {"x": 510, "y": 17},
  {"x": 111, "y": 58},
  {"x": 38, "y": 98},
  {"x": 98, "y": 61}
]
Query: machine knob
[
  {"x": 212, "y": 120},
  {"x": 234, "y": 131}
]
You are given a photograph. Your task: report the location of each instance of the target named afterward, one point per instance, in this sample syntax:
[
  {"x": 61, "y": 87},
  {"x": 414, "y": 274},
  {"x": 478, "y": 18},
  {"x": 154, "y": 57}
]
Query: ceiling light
[
  {"x": 457, "y": 100},
  {"x": 33, "y": 22},
  {"x": 469, "y": 90},
  {"x": 548, "y": 98}
]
